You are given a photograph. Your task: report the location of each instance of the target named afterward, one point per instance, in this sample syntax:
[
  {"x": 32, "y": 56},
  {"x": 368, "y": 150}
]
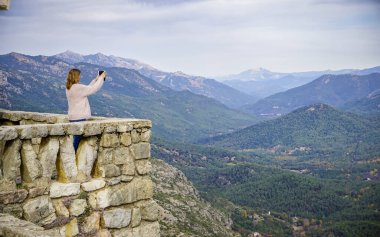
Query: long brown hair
[{"x": 72, "y": 77}]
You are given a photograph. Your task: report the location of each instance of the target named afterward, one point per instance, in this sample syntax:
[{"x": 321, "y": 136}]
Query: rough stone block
[
  {"x": 36, "y": 141},
  {"x": 86, "y": 156},
  {"x": 60, "y": 208},
  {"x": 14, "y": 115},
  {"x": 126, "y": 178},
  {"x": 123, "y": 233},
  {"x": 48, "y": 156},
  {"x": 25, "y": 132},
  {"x": 49, "y": 219},
  {"x": 93, "y": 185},
  {"x": 8, "y": 133},
  {"x": 143, "y": 166},
  {"x": 7, "y": 185},
  {"x": 77, "y": 207},
  {"x": 75, "y": 128},
  {"x": 108, "y": 171},
  {"x": 150, "y": 229},
  {"x": 71, "y": 229},
  {"x": 39, "y": 117},
  {"x": 33, "y": 131},
  {"x": 150, "y": 210},
  {"x": 138, "y": 189},
  {"x": 17, "y": 196},
  {"x": 12, "y": 160},
  {"x": 12, "y": 227},
  {"x": 32, "y": 168},
  {"x": 142, "y": 124},
  {"x": 135, "y": 135},
  {"x": 136, "y": 217},
  {"x": 105, "y": 156},
  {"x": 109, "y": 140},
  {"x": 56, "y": 130},
  {"x": 91, "y": 129},
  {"x": 122, "y": 155},
  {"x": 37, "y": 191},
  {"x": 37, "y": 209},
  {"x": 125, "y": 139},
  {"x": 66, "y": 167},
  {"x": 14, "y": 210},
  {"x": 141, "y": 150},
  {"x": 110, "y": 128},
  {"x": 145, "y": 136},
  {"x": 147, "y": 229},
  {"x": 91, "y": 223},
  {"x": 103, "y": 233},
  {"x": 116, "y": 218},
  {"x": 124, "y": 128},
  {"x": 51, "y": 119},
  {"x": 58, "y": 189}
]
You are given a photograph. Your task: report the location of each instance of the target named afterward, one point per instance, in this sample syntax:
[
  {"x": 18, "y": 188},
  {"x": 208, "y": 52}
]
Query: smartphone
[{"x": 100, "y": 72}]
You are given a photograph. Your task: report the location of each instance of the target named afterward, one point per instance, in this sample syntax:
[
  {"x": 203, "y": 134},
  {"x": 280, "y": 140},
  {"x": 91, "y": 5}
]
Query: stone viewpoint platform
[{"x": 102, "y": 190}]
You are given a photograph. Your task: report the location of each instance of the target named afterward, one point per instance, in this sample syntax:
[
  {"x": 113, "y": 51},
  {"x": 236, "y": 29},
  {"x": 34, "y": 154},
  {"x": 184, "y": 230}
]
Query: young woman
[{"x": 79, "y": 107}]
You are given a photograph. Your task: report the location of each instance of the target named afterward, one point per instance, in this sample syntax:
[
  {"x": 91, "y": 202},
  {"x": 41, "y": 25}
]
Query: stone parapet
[
  {"x": 104, "y": 189},
  {"x": 4, "y": 4}
]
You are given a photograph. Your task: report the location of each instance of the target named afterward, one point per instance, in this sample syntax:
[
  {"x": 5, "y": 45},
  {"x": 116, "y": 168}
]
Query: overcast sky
[{"x": 201, "y": 37}]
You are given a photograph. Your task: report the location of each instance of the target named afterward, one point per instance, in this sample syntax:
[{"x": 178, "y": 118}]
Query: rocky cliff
[{"x": 184, "y": 212}]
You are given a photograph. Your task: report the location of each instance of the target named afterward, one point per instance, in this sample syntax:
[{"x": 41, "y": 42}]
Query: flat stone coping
[{"x": 58, "y": 125}]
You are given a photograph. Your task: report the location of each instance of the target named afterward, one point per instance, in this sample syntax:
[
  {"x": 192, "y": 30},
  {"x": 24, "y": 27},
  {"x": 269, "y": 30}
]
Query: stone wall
[
  {"x": 4, "y": 4},
  {"x": 102, "y": 190}
]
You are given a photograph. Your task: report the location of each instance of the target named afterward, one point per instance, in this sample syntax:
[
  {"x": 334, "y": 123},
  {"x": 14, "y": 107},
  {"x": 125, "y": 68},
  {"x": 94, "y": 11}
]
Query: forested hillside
[{"x": 319, "y": 130}]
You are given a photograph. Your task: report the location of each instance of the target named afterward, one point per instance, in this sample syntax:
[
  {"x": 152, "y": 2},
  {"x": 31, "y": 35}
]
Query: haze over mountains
[
  {"x": 262, "y": 82},
  {"x": 335, "y": 90}
]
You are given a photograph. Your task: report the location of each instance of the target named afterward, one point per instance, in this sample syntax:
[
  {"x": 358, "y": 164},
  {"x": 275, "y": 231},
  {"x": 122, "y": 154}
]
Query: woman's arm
[
  {"x": 103, "y": 75},
  {"x": 94, "y": 86}
]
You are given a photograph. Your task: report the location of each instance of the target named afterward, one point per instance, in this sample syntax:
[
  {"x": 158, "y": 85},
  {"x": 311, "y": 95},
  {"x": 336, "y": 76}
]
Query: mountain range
[
  {"x": 177, "y": 81},
  {"x": 257, "y": 167},
  {"x": 37, "y": 83},
  {"x": 335, "y": 90},
  {"x": 262, "y": 82}
]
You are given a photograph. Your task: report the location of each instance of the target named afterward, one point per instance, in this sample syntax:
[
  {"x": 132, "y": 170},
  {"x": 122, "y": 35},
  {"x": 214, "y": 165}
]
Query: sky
[{"x": 201, "y": 37}]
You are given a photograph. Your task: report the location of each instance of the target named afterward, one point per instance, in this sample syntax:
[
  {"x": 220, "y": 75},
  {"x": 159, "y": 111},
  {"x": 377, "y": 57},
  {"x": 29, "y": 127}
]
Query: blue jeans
[{"x": 77, "y": 137}]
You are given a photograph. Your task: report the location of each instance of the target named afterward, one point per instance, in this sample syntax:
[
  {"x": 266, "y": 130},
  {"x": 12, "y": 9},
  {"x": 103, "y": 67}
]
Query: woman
[{"x": 79, "y": 107}]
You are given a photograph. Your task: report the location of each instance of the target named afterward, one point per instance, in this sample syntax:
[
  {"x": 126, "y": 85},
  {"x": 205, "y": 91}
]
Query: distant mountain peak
[
  {"x": 70, "y": 56},
  {"x": 69, "y": 53},
  {"x": 257, "y": 69},
  {"x": 180, "y": 73}
]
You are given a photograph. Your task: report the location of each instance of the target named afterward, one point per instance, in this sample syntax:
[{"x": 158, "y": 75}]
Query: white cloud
[{"x": 209, "y": 37}]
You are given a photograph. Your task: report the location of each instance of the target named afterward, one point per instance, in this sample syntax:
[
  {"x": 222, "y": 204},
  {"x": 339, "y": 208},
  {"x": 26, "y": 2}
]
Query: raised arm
[
  {"x": 94, "y": 86},
  {"x": 102, "y": 76}
]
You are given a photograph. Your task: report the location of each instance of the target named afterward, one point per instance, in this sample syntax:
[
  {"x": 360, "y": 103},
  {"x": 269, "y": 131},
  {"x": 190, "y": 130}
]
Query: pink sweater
[{"x": 79, "y": 107}]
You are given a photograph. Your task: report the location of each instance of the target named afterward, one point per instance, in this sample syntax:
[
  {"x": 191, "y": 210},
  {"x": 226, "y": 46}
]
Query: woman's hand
[{"x": 102, "y": 76}]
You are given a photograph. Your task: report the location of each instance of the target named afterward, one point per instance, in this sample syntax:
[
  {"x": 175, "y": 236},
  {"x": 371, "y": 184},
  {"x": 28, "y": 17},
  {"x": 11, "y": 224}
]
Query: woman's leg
[
  {"x": 76, "y": 142},
  {"x": 77, "y": 138}
]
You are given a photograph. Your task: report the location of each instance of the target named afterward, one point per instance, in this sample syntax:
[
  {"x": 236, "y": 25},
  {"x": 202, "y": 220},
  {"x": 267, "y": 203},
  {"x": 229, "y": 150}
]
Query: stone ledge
[
  {"x": 87, "y": 128},
  {"x": 4, "y": 4},
  {"x": 104, "y": 186},
  {"x": 14, "y": 227}
]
